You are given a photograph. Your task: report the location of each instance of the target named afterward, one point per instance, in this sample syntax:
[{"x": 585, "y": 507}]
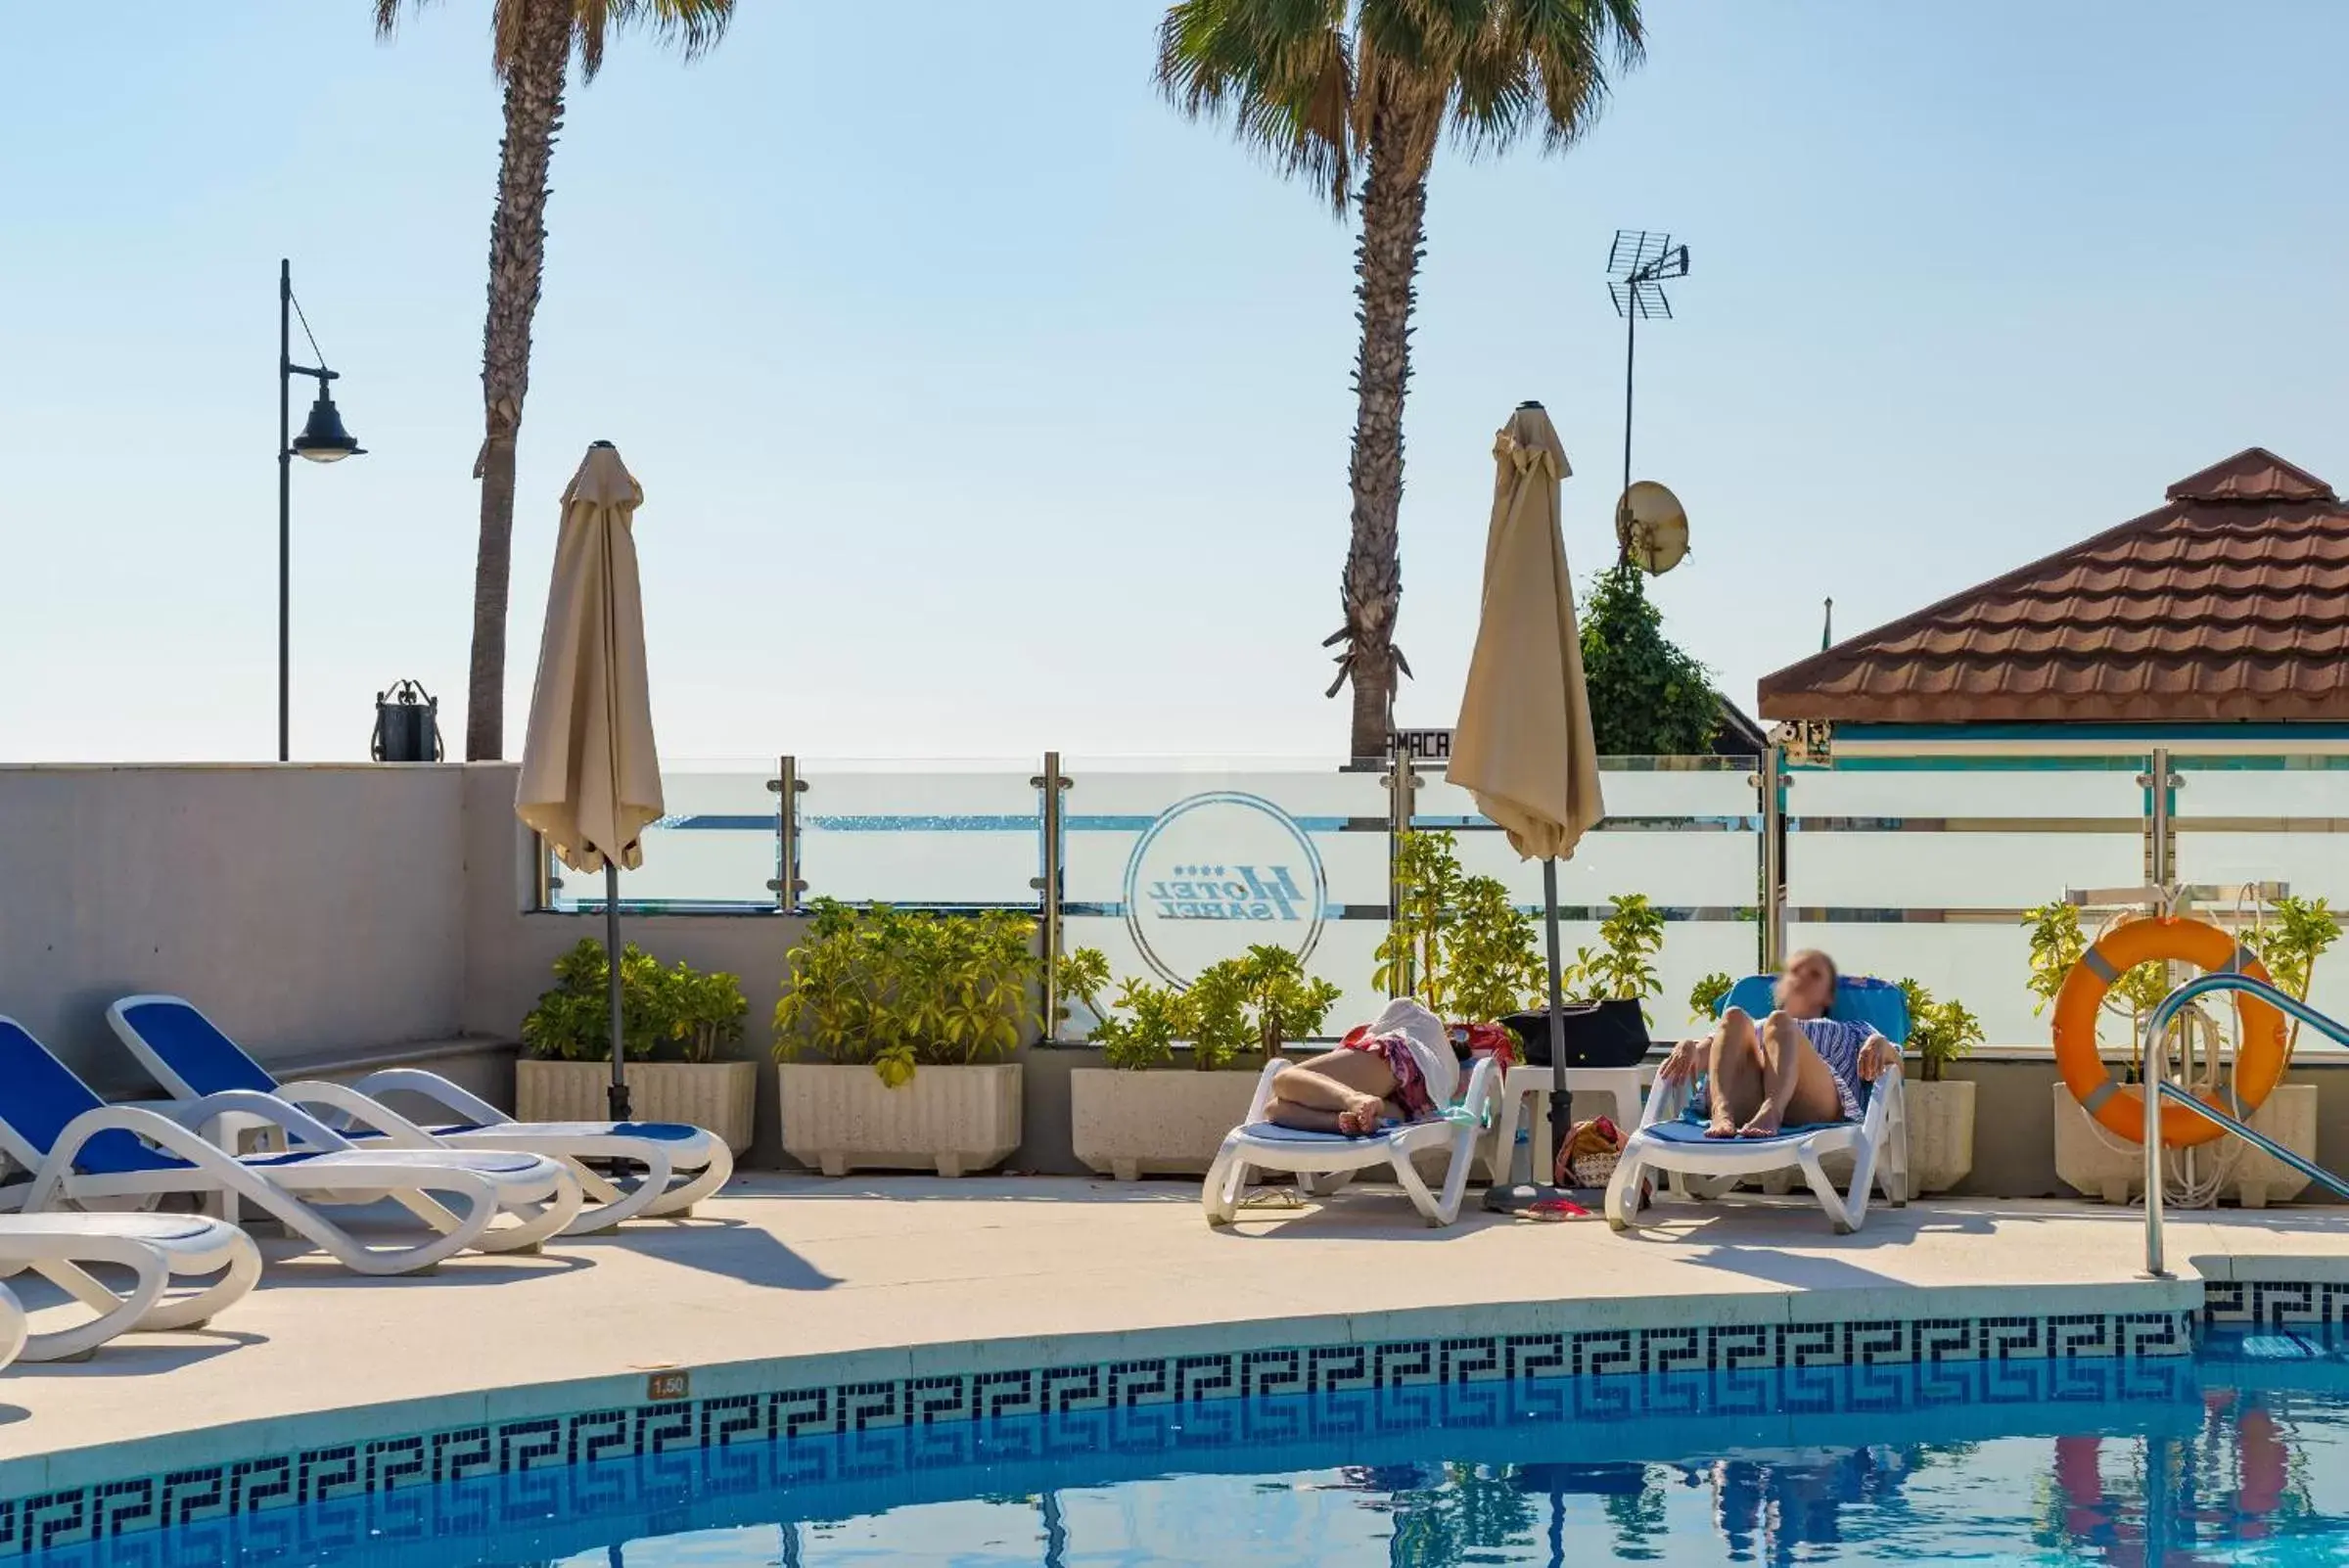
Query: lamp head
[{"x": 323, "y": 439}]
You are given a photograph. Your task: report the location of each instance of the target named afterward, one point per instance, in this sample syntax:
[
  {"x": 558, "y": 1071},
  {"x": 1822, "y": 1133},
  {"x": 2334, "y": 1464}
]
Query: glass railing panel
[
  {"x": 1923, "y": 869},
  {"x": 1172, "y": 866},
  {"x": 1683, "y": 831},
  {"x": 1686, "y": 838},
  {"x": 714, "y": 849},
  {"x": 2282, "y": 821},
  {"x": 930, "y": 834},
  {"x": 1985, "y": 964}
]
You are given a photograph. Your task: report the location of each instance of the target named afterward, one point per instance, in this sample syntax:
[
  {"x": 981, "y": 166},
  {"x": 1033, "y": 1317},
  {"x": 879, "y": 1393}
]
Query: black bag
[{"x": 1601, "y": 1034}]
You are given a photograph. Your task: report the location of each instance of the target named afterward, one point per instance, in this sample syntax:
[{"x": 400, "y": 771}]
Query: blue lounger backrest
[
  {"x": 39, "y": 1095},
  {"x": 208, "y": 1060},
  {"x": 1878, "y": 1004}
]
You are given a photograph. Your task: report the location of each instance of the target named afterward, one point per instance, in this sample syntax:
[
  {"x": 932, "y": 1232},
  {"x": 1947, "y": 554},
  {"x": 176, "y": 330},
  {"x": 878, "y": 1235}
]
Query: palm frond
[
  {"x": 693, "y": 27},
  {"x": 1509, "y": 68},
  {"x": 1279, "y": 71}
]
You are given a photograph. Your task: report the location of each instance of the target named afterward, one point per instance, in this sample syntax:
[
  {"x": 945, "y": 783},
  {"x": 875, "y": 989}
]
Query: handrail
[{"x": 2158, "y": 1088}]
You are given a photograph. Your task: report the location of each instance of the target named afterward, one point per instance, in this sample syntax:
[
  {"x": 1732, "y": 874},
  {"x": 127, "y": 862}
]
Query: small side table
[{"x": 1527, "y": 1082}]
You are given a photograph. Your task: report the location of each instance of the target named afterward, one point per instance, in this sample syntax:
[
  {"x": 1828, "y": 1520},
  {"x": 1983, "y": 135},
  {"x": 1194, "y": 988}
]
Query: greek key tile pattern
[
  {"x": 2275, "y": 1305},
  {"x": 876, "y": 1431}
]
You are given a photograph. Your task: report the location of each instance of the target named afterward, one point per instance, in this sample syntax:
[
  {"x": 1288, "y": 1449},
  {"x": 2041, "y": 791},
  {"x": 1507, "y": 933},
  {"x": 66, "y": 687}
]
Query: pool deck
[{"x": 887, "y": 1276}]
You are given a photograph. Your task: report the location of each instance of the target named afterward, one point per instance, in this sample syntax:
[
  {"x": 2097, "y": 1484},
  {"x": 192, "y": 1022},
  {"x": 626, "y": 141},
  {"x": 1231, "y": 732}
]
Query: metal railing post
[
  {"x": 788, "y": 785},
  {"x": 1048, "y": 887},
  {"x": 1402, "y": 781},
  {"x": 2149, "y": 1084},
  {"x": 1773, "y": 785},
  {"x": 542, "y": 878},
  {"x": 2157, "y": 1088}
]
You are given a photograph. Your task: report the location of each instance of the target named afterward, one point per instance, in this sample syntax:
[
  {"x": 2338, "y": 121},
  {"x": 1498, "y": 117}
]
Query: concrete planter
[
  {"x": 948, "y": 1118},
  {"x": 2089, "y": 1162},
  {"x": 1166, "y": 1123},
  {"x": 719, "y": 1096},
  {"x": 1941, "y": 1132}
]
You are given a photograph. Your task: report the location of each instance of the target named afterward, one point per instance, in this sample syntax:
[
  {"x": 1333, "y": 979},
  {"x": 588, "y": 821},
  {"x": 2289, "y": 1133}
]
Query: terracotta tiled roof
[{"x": 2229, "y": 602}]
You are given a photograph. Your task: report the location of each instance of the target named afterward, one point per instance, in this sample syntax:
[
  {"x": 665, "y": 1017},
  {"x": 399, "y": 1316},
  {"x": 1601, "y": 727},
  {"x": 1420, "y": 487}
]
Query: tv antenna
[{"x": 1639, "y": 265}]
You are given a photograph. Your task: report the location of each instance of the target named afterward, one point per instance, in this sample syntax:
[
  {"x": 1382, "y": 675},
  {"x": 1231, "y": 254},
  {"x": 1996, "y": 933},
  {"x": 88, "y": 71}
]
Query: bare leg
[
  {"x": 1734, "y": 1073},
  {"x": 1338, "y": 1092},
  {"x": 1794, "y": 1080}
]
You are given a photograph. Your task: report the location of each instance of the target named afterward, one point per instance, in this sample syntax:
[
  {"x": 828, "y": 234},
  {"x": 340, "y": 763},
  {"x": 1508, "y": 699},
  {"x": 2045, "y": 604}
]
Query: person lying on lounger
[
  {"x": 1798, "y": 1066},
  {"x": 1398, "y": 1067}
]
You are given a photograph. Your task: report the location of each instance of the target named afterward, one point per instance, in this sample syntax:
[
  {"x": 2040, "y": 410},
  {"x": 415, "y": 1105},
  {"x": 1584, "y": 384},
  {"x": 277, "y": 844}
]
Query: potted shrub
[
  {"x": 1128, "y": 1119},
  {"x": 678, "y": 1027},
  {"x": 909, "y": 1016},
  {"x": 1940, "y": 1109},
  {"x": 2288, "y": 936}
]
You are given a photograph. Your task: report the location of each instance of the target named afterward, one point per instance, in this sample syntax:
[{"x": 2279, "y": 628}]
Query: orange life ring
[{"x": 2120, "y": 1108}]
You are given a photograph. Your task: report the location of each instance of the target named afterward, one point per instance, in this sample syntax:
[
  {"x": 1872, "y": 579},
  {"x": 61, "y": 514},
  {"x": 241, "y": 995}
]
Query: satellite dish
[{"x": 1651, "y": 528}]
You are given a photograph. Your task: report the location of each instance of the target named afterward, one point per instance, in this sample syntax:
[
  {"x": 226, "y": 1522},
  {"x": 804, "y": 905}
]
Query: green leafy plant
[
  {"x": 1648, "y": 697},
  {"x": 1939, "y": 1031},
  {"x": 901, "y": 989},
  {"x": 1079, "y": 977},
  {"x": 1622, "y": 966},
  {"x": 1140, "y": 1032},
  {"x": 1427, "y": 889},
  {"x": 1705, "y": 996},
  {"x": 1253, "y": 1003},
  {"x": 680, "y": 1013},
  {"x": 1491, "y": 959},
  {"x": 1456, "y": 943},
  {"x": 2293, "y": 934}
]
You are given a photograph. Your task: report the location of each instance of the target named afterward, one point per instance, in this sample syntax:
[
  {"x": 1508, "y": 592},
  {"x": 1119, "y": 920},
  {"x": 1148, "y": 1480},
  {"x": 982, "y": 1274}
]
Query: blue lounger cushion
[
  {"x": 211, "y": 1062},
  {"x": 1691, "y": 1129},
  {"x": 1274, "y": 1133},
  {"x": 1878, "y": 1004}
]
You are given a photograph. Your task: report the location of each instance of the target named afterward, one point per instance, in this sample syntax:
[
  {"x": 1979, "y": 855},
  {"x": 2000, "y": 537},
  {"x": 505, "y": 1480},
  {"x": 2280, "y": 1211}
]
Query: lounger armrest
[
  {"x": 1882, "y": 1094},
  {"x": 1666, "y": 1100},
  {"x": 433, "y": 1088},
  {"x": 298, "y": 1124},
  {"x": 148, "y": 1125},
  {"x": 1264, "y": 1089},
  {"x": 1477, "y": 1098},
  {"x": 361, "y": 1112}
]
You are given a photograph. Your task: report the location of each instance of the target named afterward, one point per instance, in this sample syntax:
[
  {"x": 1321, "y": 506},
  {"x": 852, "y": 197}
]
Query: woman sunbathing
[
  {"x": 1798, "y": 1065},
  {"x": 1398, "y": 1067}
]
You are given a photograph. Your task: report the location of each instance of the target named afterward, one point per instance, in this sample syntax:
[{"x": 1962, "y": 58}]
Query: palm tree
[
  {"x": 532, "y": 44},
  {"x": 1324, "y": 86}
]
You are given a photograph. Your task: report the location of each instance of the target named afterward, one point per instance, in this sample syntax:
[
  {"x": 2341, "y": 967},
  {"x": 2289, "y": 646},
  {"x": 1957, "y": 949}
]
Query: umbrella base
[{"x": 1520, "y": 1196}]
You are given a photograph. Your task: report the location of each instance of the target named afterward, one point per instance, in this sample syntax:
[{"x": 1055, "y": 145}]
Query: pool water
[{"x": 2237, "y": 1455}]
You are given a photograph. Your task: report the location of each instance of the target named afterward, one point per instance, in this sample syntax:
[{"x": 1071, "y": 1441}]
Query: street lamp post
[{"x": 323, "y": 439}]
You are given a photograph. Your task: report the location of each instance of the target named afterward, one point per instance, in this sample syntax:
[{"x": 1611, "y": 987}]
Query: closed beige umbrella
[
  {"x": 1523, "y": 746},
  {"x": 591, "y": 774}
]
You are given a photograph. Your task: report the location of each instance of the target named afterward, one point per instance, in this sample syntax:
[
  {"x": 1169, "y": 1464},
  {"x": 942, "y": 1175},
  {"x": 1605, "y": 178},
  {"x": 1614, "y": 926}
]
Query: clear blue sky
[{"x": 982, "y": 404}]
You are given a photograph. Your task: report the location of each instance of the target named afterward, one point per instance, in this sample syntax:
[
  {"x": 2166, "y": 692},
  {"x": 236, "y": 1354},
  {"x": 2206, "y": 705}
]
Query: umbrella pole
[
  {"x": 611, "y": 951},
  {"x": 1559, "y": 1102},
  {"x": 1511, "y": 1198}
]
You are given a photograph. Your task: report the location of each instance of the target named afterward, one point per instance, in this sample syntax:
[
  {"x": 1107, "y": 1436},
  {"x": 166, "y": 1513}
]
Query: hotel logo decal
[{"x": 1213, "y": 862}]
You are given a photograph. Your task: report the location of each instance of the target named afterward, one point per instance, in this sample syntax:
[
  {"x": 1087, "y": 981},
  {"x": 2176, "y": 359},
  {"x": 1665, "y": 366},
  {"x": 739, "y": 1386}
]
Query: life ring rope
[{"x": 2120, "y": 1108}]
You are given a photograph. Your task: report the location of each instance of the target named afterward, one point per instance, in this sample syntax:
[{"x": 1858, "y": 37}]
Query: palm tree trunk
[
  {"x": 1394, "y": 209},
  {"x": 535, "y": 82}
]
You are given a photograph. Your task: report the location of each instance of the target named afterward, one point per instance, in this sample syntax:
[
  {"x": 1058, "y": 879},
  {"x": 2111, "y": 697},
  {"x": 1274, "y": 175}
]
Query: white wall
[{"x": 310, "y": 910}]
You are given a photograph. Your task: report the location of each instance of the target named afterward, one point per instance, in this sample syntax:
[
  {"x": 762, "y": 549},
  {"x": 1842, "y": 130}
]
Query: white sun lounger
[
  {"x": 678, "y": 1165},
  {"x": 157, "y": 1248},
  {"x": 1673, "y": 1144},
  {"x": 82, "y": 1151},
  {"x": 1315, "y": 1158},
  {"x": 14, "y": 1328}
]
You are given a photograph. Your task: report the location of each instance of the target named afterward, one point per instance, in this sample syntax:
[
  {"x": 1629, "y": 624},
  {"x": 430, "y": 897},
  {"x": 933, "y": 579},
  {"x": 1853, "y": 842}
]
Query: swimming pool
[{"x": 2240, "y": 1453}]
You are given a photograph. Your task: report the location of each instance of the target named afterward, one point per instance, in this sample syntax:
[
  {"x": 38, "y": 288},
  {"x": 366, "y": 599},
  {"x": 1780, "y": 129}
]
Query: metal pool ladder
[{"x": 2158, "y": 1088}]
